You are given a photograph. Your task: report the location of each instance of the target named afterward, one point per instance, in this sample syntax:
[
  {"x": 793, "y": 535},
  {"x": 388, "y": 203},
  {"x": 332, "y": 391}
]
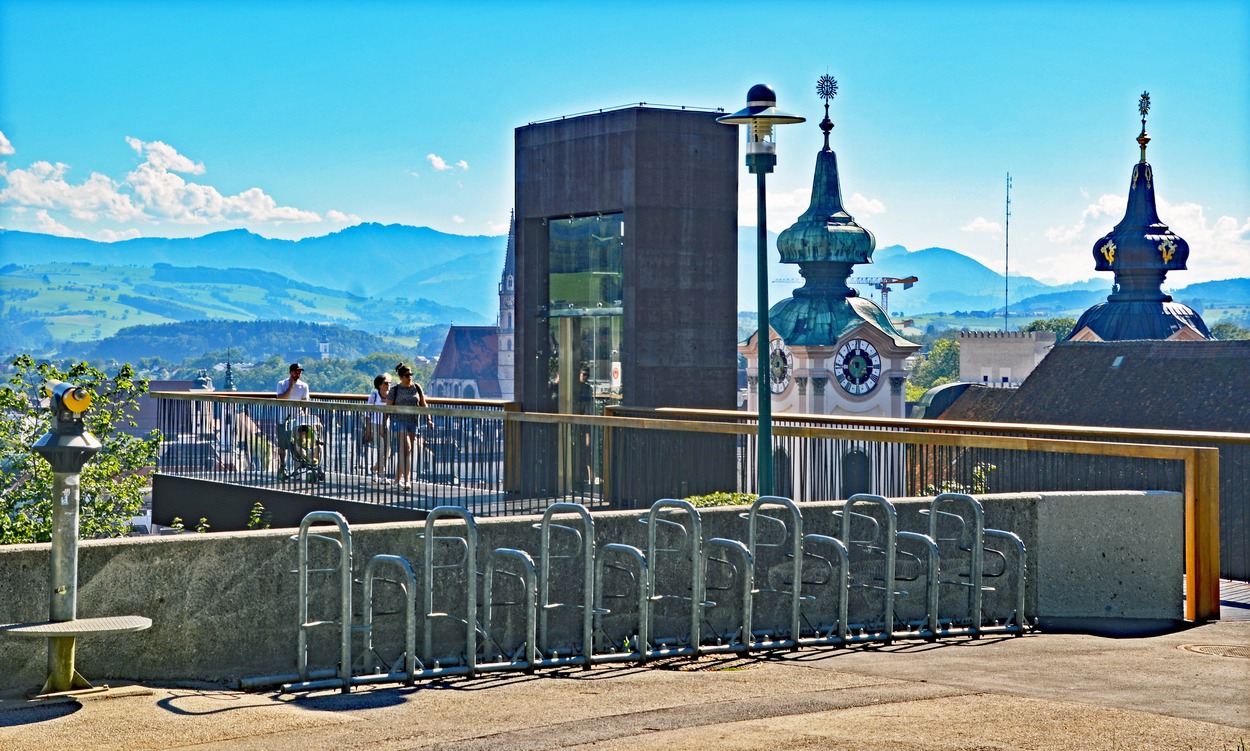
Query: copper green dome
[
  {"x": 826, "y": 232},
  {"x": 817, "y": 320}
]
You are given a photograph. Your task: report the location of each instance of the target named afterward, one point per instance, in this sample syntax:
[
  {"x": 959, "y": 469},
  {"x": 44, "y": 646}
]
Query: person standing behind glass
[
  {"x": 378, "y": 428},
  {"x": 407, "y": 393}
]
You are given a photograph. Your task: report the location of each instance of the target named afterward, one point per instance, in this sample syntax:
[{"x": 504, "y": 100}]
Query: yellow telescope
[{"x": 73, "y": 398}]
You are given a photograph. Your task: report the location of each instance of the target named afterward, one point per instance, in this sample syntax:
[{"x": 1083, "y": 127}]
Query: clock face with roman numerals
[
  {"x": 857, "y": 365},
  {"x": 780, "y": 366}
]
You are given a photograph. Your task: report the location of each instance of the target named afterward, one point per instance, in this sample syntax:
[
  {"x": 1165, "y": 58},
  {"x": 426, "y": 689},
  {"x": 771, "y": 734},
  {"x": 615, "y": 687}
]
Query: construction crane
[{"x": 883, "y": 283}]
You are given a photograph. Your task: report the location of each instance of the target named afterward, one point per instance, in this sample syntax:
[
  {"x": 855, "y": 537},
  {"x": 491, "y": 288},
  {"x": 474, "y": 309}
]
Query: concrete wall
[{"x": 224, "y": 605}]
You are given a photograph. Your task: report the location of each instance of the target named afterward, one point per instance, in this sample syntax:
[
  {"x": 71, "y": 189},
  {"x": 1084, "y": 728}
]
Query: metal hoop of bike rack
[
  {"x": 740, "y": 641},
  {"x": 877, "y": 545},
  {"x": 432, "y": 664},
  {"x": 408, "y": 585},
  {"x": 307, "y": 681},
  {"x": 794, "y": 552},
  {"x": 529, "y": 589},
  {"x": 825, "y": 634},
  {"x": 966, "y": 538},
  {"x": 692, "y": 549},
  {"x": 585, "y": 537},
  {"x": 641, "y": 576}
]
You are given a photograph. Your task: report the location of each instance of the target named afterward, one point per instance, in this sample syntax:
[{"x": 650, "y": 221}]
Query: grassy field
[{"x": 86, "y": 302}]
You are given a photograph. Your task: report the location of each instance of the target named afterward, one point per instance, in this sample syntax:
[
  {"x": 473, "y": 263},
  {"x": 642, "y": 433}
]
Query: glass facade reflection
[{"x": 584, "y": 304}]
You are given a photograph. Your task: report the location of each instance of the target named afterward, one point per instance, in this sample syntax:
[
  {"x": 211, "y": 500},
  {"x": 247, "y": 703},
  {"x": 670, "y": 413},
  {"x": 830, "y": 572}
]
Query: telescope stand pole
[{"x": 63, "y": 594}]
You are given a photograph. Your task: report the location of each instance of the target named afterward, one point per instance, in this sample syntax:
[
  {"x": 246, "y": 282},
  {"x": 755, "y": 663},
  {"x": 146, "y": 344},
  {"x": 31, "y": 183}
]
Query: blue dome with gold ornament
[{"x": 1140, "y": 251}]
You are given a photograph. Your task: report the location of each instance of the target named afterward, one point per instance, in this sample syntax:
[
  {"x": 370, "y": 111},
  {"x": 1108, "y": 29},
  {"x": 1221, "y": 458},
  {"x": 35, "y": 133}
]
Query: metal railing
[{"x": 507, "y": 462}]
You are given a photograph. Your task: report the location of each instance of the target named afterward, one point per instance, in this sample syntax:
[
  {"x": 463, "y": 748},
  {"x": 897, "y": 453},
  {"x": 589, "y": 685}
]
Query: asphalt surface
[{"x": 1184, "y": 690}]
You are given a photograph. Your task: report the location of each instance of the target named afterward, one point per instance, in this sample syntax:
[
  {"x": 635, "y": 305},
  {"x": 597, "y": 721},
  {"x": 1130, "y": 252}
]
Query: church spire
[
  {"x": 1141, "y": 249},
  {"x": 825, "y": 241}
]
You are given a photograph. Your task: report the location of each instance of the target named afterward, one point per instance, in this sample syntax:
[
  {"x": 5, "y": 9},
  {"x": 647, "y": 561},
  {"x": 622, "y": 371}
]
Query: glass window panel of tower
[{"x": 584, "y": 296}]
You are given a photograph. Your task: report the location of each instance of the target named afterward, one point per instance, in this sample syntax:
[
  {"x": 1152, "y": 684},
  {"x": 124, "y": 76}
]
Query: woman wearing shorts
[{"x": 407, "y": 393}]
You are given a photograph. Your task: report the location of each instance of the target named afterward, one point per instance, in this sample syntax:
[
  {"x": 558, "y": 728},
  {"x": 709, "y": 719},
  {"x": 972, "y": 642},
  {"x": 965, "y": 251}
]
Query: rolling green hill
[{"x": 46, "y": 304}]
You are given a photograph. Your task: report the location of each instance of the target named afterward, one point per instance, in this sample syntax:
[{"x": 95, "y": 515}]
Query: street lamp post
[{"x": 760, "y": 115}]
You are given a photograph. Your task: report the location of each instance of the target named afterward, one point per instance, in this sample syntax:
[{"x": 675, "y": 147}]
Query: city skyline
[{"x": 125, "y": 119}]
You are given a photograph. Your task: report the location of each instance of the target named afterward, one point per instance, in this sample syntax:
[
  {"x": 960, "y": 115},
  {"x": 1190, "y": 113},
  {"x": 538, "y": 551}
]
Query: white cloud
[
  {"x": 1107, "y": 205},
  {"x": 43, "y": 185},
  {"x": 334, "y": 215},
  {"x": 50, "y": 226},
  {"x": 112, "y": 236},
  {"x": 1217, "y": 247},
  {"x": 497, "y": 228},
  {"x": 163, "y": 156},
  {"x": 441, "y": 165},
  {"x": 981, "y": 224},
  {"x": 858, "y": 204},
  {"x": 457, "y": 219},
  {"x": 6, "y": 148},
  {"x": 154, "y": 191}
]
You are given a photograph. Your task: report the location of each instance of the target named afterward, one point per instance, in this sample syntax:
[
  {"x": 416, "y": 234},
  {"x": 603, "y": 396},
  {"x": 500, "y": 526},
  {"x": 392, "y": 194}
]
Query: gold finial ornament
[
  {"x": 1167, "y": 249},
  {"x": 1143, "y": 106},
  {"x": 1108, "y": 251},
  {"x": 827, "y": 89}
]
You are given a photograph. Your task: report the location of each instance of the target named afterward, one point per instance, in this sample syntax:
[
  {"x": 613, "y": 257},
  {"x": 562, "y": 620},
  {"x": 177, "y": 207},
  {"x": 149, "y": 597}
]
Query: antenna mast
[{"x": 1007, "y": 256}]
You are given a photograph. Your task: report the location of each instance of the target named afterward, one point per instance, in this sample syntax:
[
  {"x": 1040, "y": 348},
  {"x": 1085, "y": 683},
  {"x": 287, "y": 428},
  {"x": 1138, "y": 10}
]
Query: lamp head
[{"x": 760, "y": 116}]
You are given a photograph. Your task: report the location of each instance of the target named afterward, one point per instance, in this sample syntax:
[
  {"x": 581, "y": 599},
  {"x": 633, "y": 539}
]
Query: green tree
[
  {"x": 1227, "y": 330},
  {"x": 1061, "y": 326},
  {"x": 940, "y": 367},
  {"x": 112, "y": 483}
]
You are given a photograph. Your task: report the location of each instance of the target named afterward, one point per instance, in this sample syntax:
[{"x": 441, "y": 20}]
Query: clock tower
[{"x": 831, "y": 352}]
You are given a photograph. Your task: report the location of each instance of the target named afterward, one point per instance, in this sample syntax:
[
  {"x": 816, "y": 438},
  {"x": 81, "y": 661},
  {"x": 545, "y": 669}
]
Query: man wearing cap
[{"x": 293, "y": 388}]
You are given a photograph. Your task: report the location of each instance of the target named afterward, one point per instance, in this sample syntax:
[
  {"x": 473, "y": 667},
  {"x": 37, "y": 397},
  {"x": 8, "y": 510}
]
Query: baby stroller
[{"x": 303, "y": 449}]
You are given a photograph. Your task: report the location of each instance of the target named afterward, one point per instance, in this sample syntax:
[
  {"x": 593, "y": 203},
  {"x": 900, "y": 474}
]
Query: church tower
[
  {"x": 1140, "y": 250},
  {"x": 507, "y": 315},
  {"x": 831, "y": 351}
]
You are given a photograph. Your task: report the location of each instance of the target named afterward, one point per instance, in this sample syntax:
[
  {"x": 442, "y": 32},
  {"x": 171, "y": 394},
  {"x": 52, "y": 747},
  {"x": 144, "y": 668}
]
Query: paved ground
[{"x": 1185, "y": 690}]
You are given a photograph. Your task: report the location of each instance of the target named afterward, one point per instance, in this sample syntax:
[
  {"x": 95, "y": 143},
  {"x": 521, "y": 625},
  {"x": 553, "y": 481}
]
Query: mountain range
[{"x": 383, "y": 278}]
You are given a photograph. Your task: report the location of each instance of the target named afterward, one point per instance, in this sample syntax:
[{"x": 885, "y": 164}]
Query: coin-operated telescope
[{"x": 67, "y": 447}]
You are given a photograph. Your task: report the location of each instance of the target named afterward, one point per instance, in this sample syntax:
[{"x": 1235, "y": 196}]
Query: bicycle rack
[
  {"x": 586, "y": 539},
  {"x": 823, "y": 634},
  {"x": 529, "y": 588},
  {"x": 1014, "y": 623},
  {"x": 875, "y": 546},
  {"x": 623, "y": 651},
  {"x": 431, "y": 664},
  {"x": 794, "y": 552},
  {"x": 739, "y": 641},
  {"x": 928, "y": 626},
  {"x": 795, "y": 569},
  {"x": 692, "y": 549},
  {"x": 408, "y": 660},
  {"x": 962, "y": 541},
  {"x": 342, "y": 681}
]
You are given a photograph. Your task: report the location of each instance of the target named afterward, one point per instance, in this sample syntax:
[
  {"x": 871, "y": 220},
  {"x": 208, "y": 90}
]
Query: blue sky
[{"x": 122, "y": 119}]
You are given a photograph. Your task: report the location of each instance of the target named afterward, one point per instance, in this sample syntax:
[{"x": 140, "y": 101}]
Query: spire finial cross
[{"x": 827, "y": 89}]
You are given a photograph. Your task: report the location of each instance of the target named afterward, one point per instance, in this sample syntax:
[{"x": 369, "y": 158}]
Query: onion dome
[
  {"x": 826, "y": 243},
  {"x": 1140, "y": 250}
]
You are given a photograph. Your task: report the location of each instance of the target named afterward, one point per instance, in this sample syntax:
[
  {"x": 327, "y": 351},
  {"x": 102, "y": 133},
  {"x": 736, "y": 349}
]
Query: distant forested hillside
[{"x": 249, "y": 340}]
